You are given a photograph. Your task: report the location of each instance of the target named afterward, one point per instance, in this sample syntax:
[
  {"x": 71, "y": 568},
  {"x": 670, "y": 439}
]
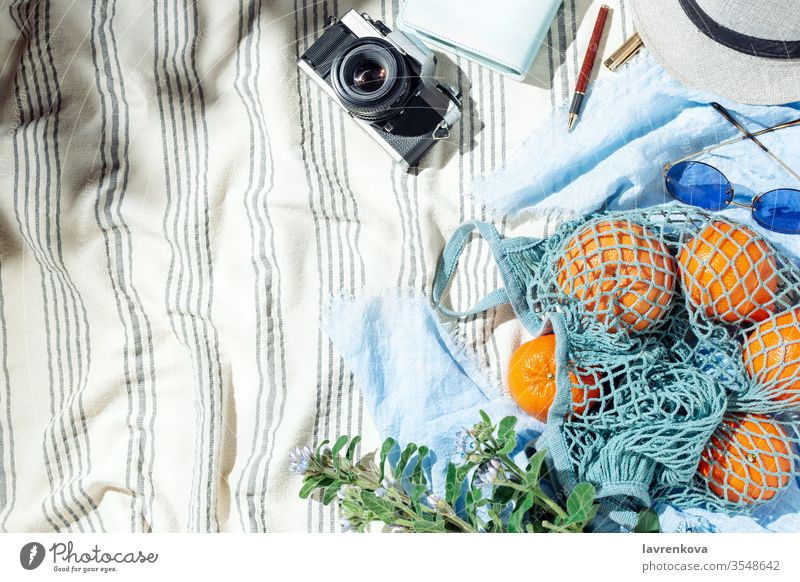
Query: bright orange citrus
[
  {"x": 747, "y": 459},
  {"x": 621, "y": 272},
  {"x": 730, "y": 273},
  {"x": 532, "y": 379},
  {"x": 772, "y": 355}
]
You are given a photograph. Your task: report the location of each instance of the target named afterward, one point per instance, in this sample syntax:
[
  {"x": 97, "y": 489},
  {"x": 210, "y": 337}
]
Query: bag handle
[{"x": 448, "y": 263}]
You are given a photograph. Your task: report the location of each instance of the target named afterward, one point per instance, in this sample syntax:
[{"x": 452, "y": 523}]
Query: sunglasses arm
[
  {"x": 727, "y": 115},
  {"x": 703, "y": 151},
  {"x": 736, "y": 140}
]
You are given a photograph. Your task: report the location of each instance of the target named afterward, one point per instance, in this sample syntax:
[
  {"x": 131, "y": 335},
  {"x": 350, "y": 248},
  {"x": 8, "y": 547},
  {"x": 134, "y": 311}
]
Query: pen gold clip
[{"x": 624, "y": 53}]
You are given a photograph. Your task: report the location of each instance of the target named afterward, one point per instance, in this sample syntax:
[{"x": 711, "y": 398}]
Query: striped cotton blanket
[{"x": 177, "y": 205}]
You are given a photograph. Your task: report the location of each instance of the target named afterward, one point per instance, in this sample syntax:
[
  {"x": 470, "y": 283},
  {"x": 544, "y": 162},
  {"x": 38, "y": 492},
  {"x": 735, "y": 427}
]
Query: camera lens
[
  {"x": 369, "y": 76},
  {"x": 372, "y": 79}
]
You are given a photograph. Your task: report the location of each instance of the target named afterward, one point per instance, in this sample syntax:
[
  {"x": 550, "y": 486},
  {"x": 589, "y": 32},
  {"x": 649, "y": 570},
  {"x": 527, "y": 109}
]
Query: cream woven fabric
[{"x": 177, "y": 204}]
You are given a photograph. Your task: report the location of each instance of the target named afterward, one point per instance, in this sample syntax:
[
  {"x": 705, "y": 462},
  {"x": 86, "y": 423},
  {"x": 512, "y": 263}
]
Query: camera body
[{"x": 384, "y": 80}]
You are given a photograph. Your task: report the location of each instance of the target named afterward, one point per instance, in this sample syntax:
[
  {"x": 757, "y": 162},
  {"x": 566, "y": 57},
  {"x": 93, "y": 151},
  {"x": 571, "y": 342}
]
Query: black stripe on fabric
[
  {"x": 423, "y": 283},
  {"x": 623, "y": 18},
  {"x": 561, "y": 24},
  {"x": 177, "y": 263},
  {"x": 186, "y": 227},
  {"x": 204, "y": 256},
  {"x": 463, "y": 87},
  {"x": 53, "y": 329},
  {"x": 306, "y": 131},
  {"x": 21, "y": 181},
  {"x": 357, "y": 280},
  {"x": 471, "y": 269},
  {"x": 270, "y": 339},
  {"x": 143, "y": 341},
  {"x": 325, "y": 178},
  {"x": 573, "y": 28},
  {"x": 83, "y": 352},
  {"x": 8, "y": 477},
  {"x": 111, "y": 189},
  {"x": 551, "y": 68},
  {"x": 486, "y": 273},
  {"x": 54, "y": 277},
  {"x": 496, "y": 282},
  {"x": 275, "y": 329}
]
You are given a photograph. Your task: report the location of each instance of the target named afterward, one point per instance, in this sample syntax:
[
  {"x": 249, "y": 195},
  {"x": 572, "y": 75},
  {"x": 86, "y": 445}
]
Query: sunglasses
[{"x": 702, "y": 185}]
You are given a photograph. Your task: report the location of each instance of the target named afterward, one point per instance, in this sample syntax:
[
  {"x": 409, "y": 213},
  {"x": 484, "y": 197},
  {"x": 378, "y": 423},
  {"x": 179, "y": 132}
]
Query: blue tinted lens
[
  {"x": 779, "y": 210},
  {"x": 700, "y": 185}
]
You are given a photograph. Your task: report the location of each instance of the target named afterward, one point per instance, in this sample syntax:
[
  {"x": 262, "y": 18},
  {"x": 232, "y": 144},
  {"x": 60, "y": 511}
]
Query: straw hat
[{"x": 745, "y": 50}]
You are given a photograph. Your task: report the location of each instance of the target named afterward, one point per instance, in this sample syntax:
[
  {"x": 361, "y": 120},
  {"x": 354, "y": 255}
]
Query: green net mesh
[{"x": 690, "y": 325}]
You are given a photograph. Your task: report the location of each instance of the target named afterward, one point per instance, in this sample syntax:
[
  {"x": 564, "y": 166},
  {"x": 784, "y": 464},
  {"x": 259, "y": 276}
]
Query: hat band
[{"x": 751, "y": 45}]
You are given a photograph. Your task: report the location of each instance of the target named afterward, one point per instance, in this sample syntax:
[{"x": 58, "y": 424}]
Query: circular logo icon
[{"x": 31, "y": 555}]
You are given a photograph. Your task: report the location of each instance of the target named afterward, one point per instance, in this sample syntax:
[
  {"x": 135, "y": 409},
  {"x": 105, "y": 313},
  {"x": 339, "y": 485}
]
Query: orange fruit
[
  {"x": 747, "y": 459},
  {"x": 729, "y": 273},
  {"x": 772, "y": 355},
  {"x": 621, "y": 272},
  {"x": 532, "y": 379}
]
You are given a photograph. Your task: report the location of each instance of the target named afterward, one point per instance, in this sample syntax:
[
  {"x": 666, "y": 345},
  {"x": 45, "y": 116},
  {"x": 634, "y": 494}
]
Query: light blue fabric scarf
[{"x": 419, "y": 384}]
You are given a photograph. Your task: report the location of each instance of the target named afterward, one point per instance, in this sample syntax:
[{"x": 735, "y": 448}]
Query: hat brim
[{"x": 697, "y": 61}]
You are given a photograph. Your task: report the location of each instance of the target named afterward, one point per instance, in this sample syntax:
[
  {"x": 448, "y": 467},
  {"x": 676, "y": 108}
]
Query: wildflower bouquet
[{"x": 485, "y": 490}]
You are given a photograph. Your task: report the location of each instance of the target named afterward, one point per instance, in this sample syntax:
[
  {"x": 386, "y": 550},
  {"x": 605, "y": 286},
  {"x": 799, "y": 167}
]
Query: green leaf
[
  {"x": 417, "y": 475},
  {"x": 469, "y": 505},
  {"x": 506, "y": 426},
  {"x": 533, "y": 473},
  {"x": 309, "y": 485},
  {"x": 485, "y": 417},
  {"x": 351, "y": 450},
  {"x": 386, "y": 448},
  {"x": 497, "y": 521},
  {"x": 451, "y": 488},
  {"x": 503, "y": 494},
  {"x": 463, "y": 470},
  {"x": 647, "y": 522},
  {"x": 330, "y": 492},
  {"x": 581, "y": 499},
  {"x": 338, "y": 446},
  {"x": 410, "y": 449},
  {"x": 319, "y": 450},
  {"x": 515, "y": 520},
  {"x": 382, "y": 508},
  {"x": 417, "y": 493},
  {"x": 427, "y": 526},
  {"x": 509, "y": 443}
]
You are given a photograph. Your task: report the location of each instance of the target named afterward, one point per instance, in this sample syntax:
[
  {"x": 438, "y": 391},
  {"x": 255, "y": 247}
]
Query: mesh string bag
[{"x": 690, "y": 324}]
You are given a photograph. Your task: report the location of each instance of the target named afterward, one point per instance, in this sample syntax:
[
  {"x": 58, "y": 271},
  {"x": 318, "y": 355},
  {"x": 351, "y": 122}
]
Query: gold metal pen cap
[{"x": 621, "y": 56}]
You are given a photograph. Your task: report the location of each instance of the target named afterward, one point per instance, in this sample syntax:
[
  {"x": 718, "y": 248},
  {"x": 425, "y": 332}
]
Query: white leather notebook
[{"x": 504, "y": 36}]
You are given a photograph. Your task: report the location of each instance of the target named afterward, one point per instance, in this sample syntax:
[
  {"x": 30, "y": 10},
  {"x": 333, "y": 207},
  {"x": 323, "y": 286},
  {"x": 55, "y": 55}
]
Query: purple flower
[
  {"x": 465, "y": 444},
  {"x": 488, "y": 473},
  {"x": 299, "y": 460}
]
